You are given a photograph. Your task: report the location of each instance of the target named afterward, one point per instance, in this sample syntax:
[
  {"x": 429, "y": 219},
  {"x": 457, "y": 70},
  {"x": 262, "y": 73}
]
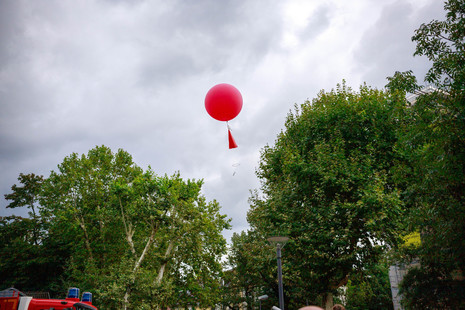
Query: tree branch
[{"x": 128, "y": 230}]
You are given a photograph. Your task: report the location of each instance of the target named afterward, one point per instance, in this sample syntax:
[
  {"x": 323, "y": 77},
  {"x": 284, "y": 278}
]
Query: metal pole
[{"x": 280, "y": 277}]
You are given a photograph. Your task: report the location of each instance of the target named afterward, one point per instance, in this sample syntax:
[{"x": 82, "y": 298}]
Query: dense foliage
[
  {"x": 135, "y": 239},
  {"x": 370, "y": 290},
  {"x": 435, "y": 144},
  {"x": 250, "y": 264},
  {"x": 329, "y": 183}
]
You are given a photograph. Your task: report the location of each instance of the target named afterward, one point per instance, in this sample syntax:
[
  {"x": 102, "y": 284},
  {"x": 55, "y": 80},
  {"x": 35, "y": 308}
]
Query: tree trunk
[
  {"x": 144, "y": 252},
  {"x": 163, "y": 266},
  {"x": 328, "y": 301},
  {"x": 82, "y": 224},
  {"x": 102, "y": 234},
  {"x": 128, "y": 230},
  {"x": 126, "y": 299},
  {"x": 80, "y": 220},
  {"x": 136, "y": 268}
]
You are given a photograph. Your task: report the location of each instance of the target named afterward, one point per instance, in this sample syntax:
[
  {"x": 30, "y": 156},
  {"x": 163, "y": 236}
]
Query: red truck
[{"x": 13, "y": 299}]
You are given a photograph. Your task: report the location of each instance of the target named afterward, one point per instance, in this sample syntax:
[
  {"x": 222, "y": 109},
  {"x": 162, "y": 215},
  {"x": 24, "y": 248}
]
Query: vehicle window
[{"x": 80, "y": 306}]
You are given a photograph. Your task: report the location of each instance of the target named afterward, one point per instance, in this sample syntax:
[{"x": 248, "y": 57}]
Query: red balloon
[{"x": 223, "y": 102}]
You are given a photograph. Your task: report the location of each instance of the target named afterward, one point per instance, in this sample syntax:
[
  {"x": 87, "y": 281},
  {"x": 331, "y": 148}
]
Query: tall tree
[
  {"x": 250, "y": 264},
  {"x": 137, "y": 240},
  {"x": 30, "y": 260},
  {"x": 329, "y": 183},
  {"x": 435, "y": 143},
  {"x": 370, "y": 290},
  {"x": 443, "y": 43},
  {"x": 27, "y": 195},
  {"x": 25, "y": 263}
]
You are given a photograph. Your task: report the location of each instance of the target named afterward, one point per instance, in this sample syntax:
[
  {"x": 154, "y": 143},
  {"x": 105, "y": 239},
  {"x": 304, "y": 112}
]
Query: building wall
[{"x": 396, "y": 274}]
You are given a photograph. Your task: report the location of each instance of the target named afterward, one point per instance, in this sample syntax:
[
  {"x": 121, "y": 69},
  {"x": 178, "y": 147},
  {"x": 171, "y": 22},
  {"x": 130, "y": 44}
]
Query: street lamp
[
  {"x": 260, "y": 298},
  {"x": 280, "y": 241}
]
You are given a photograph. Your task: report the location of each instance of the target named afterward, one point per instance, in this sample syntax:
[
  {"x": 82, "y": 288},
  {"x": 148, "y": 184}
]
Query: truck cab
[{"x": 13, "y": 299}]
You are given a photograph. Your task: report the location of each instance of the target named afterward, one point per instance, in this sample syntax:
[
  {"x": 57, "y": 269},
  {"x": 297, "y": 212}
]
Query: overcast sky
[{"x": 134, "y": 75}]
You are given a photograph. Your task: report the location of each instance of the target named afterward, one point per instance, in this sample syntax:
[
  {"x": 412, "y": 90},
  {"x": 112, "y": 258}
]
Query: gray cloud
[
  {"x": 383, "y": 47},
  {"x": 319, "y": 22},
  {"x": 197, "y": 37},
  {"x": 133, "y": 75}
]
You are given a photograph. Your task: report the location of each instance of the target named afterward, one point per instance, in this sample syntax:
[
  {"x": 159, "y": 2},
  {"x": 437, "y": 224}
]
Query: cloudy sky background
[{"x": 134, "y": 74}]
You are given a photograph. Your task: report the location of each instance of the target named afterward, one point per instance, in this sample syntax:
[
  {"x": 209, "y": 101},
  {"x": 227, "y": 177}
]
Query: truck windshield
[{"x": 81, "y": 306}]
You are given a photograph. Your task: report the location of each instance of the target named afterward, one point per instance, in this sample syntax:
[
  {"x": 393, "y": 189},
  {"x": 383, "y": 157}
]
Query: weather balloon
[{"x": 223, "y": 102}]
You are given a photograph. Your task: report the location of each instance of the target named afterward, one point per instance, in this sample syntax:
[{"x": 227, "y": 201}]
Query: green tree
[
  {"x": 443, "y": 43},
  {"x": 435, "y": 145},
  {"x": 370, "y": 289},
  {"x": 77, "y": 203},
  {"x": 135, "y": 239},
  {"x": 330, "y": 184},
  {"x": 250, "y": 274},
  {"x": 25, "y": 263},
  {"x": 30, "y": 260},
  {"x": 27, "y": 195}
]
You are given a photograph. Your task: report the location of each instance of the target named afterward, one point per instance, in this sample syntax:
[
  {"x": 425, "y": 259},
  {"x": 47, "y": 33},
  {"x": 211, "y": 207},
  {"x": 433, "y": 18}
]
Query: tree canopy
[
  {"x": 137, "y": 240},
  {"x": 435, "y": 145},
  {"x": 330, "y": 184}
]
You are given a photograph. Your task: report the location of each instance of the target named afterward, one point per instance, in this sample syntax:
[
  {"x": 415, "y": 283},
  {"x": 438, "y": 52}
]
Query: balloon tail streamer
[{"x": 232, "y": 143}]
